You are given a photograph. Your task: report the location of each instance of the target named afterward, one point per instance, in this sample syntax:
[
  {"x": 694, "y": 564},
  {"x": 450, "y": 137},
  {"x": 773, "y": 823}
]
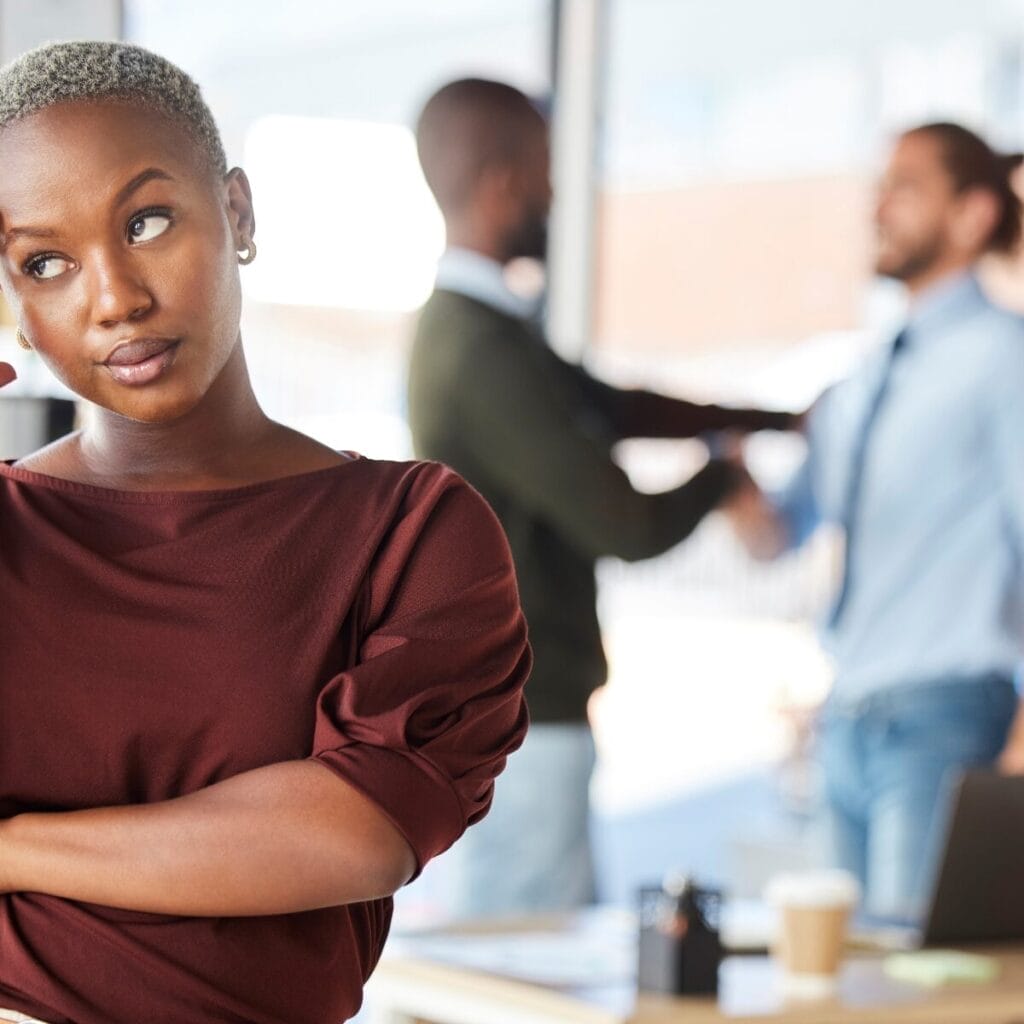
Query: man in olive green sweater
[{"x": 534, "y": 434}]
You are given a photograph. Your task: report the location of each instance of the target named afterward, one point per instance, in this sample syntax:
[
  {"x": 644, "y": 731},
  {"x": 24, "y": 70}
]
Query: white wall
[{"x": 25, "y": 25}]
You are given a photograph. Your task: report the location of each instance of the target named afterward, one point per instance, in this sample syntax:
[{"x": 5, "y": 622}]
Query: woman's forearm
[{"x": 279, "y": 839}]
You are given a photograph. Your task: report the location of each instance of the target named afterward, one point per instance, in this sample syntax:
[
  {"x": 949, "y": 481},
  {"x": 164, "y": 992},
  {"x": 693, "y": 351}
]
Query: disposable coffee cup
[{"x": 814, "y": 911}]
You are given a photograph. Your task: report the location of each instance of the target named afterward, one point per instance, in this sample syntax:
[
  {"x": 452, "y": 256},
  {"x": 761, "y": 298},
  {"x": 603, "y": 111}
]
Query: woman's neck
[
  {"x": 225, "y": 439},
  {"x": 202, "y": 448}
]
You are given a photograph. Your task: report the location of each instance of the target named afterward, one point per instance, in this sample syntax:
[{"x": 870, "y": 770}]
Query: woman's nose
[{"x": 120, "y": 293}]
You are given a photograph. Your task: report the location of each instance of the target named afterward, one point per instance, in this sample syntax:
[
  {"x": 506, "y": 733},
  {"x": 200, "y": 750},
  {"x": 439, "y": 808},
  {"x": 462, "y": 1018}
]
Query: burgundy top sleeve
[{"x": 424, "y": 721}]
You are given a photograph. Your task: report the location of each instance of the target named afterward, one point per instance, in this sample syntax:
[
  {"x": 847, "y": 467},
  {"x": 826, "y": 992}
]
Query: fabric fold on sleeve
[{"x": 425, "y": 720}]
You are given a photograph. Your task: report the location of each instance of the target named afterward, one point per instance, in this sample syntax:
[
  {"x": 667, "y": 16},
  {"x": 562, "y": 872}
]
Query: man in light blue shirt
[{"x": 919, "y": 456}]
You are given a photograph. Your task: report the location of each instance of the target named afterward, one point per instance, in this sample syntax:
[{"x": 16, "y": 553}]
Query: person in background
[
  {"x": 919, "y": 456},
  {"x": 249, "y": 685},
  {"x": 535, "y": 434}
]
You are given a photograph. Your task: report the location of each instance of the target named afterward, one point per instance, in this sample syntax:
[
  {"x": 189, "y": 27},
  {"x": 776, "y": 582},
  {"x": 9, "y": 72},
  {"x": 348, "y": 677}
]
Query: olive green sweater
[{"x": 534, "y": 434}]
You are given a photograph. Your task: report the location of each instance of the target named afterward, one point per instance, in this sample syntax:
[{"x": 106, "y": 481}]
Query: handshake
[{"x": 753, "y": 517}]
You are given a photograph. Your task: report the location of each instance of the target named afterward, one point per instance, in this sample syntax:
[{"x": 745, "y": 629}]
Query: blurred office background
[{"x": 729, "y": 154}]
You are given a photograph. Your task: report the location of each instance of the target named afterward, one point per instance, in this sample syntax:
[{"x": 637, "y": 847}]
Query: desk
[{"x": 437, "y": 977}]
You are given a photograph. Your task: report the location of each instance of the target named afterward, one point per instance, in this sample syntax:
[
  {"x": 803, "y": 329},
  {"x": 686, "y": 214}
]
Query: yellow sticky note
[{"x": 935, "y": 967}]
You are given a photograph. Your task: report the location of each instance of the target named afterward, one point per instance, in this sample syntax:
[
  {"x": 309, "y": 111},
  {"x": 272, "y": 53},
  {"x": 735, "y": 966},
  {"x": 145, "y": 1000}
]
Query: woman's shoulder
[
  {"x": 422, "y": 483},
  {"x": 431, "y": 498}
]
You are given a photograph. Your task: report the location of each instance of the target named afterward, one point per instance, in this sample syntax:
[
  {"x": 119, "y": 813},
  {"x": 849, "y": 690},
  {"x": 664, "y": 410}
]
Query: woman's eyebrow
[
  {"x": 10, "y": 234},
  {"x": 149, "y": 174},
  {"x": 140, "y": 179}
]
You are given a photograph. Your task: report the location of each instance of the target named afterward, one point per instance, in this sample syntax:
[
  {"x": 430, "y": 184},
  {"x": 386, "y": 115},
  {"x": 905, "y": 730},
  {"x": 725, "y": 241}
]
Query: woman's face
[{"x": 118, "y": 254}]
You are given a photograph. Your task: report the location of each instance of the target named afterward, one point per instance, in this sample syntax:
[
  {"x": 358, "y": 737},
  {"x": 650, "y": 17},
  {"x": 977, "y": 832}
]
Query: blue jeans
[
  {"x": 532, "y": 852},
  {"x": 888, "y": 762}
]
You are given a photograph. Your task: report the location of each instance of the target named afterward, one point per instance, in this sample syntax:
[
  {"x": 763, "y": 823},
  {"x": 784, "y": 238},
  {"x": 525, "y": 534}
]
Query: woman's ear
[{"x": 238, "y": 197}]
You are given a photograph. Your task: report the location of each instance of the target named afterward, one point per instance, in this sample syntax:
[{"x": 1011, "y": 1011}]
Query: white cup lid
[{"x": 830, "y": 888}]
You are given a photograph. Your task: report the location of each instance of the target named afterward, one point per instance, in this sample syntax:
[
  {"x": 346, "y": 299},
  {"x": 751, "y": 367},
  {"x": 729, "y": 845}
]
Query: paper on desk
[
  {"x": 588, "y": 957},
  {"x": 601, "y": 950}
]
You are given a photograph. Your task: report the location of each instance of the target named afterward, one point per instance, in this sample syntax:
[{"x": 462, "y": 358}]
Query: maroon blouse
[{"x": 152, "y": 644}]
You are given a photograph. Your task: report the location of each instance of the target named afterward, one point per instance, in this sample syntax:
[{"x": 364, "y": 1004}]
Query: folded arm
[{"x": 287, "y": 837}]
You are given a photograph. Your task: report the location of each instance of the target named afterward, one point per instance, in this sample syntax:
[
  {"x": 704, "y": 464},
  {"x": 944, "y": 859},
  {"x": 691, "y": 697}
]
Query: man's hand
[
  {"x": 1011, "y": 760},
  {"x": 7, "y": 374},
  {"x": 802, "y": 420},
  {"x": 754, "y": 519}
]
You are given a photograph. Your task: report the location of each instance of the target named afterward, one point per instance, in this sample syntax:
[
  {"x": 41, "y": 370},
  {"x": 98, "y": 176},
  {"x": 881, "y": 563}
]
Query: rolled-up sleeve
[{"x": 424, "y": 721}]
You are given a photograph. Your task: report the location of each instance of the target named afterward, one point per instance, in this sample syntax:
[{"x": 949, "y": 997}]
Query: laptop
[
  {"x": 978, "y": 889},
  {"x": 978, "y": 893}
]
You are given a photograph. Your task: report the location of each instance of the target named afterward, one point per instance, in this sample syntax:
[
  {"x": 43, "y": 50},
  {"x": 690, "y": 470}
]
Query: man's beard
[
  {"x": 911, "y": 263},
  {"x": 529, "y": 240}
]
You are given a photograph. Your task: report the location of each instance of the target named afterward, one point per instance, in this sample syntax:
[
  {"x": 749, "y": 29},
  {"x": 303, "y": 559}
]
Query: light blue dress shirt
[
  {"x": 936, "y": 584},
  {"x": 479, "y": 277}
]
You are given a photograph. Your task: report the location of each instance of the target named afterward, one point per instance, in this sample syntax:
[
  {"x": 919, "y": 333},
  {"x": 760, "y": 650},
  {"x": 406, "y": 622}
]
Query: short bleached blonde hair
[{"x": 93, "y": 71}]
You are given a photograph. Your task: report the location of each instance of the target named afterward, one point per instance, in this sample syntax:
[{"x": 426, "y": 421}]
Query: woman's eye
[
  {"x": 147, "y": 226},
  {"x": 45, "y": 267}
]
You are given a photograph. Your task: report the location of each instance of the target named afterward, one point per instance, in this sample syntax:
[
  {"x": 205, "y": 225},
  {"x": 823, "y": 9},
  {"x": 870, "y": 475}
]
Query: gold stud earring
[
  {"x": 22, "y": 340},
  {"x": 250, "y": 253}
]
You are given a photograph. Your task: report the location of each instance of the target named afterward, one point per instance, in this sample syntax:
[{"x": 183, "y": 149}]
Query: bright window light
[{"x": 343, "y": 215}]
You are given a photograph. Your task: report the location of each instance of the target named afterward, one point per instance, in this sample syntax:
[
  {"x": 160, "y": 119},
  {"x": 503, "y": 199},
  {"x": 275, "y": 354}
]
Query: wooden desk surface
[{"x": 424, "y": 978}]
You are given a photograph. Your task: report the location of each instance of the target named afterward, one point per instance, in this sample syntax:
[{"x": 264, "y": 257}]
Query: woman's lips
[{"x": 142, "y": 362}]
